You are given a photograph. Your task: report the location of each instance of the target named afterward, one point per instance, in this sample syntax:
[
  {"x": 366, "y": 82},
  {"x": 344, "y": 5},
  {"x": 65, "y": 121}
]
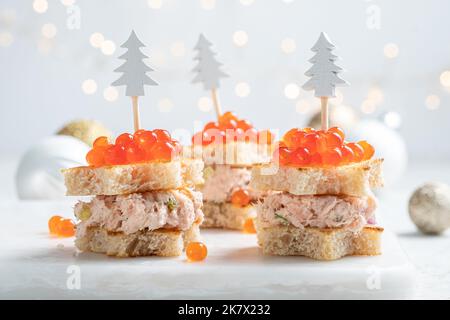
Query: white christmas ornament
[
  {"x": 324, "y": 72},
  {"x": 388, "y": 145},
  {"x": 39, "y": 177},
  {"x": 134, "y": 69}
]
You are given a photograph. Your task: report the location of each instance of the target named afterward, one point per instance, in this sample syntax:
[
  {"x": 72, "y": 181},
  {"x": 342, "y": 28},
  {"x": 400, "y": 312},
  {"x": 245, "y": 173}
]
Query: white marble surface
[{"x": 429, "y": 255}]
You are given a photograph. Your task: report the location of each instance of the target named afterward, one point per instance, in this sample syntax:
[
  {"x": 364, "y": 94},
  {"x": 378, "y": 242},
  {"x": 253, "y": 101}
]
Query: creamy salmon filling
[
  {"x": 320, "y": 211},
  {"x": 137, "y": 211},
  {"x": 222, "y": 180}
]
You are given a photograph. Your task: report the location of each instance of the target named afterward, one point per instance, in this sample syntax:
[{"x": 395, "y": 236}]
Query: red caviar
[
  {"x": 196, "y": 251},
  {"x": 319, "y": 148},
  {"x": 231, "y": 128},
  {"x": 142, "y": 146},
  {"x": 61, "y": 227}
]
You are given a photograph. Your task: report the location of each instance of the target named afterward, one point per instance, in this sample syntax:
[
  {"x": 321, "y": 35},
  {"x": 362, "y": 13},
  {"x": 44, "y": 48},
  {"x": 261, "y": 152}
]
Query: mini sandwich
[
  {"x": 322, "y": 205},
  {"x": 230, "y": 148},
  {"x": 144, "y": 202}
]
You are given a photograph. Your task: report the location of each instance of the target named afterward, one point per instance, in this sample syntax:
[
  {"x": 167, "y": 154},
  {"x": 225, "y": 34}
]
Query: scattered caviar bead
[
  {"x": 282, "y": 155},
  {"x": 134, "y": 153},
  {"x": 244, "y": 124},
  {"x": 339, "y": 131},
  {"x": 358, "y": 151},
  {"x": 249, "y": 226},
  {"x": 53, "y": 224},
  {"x": 66, "y": 228},
  {"x": 100, "y": 142},
  {"x": 300, "y": 157},
  {"x": 162, "y": 150},
  {"x": 115, "y": 155},
  {"x": 240, "y": 198},
  {"x": 347, "y": 154},
  {"x": 162, "y": 135},
  {"x": 124, "y": 139},
  {"x": 145, "y": 139},
  {"x": 368, "y": 149},
  {"x": 196, "y": 251},
  {"x": 332, "y": 157}
]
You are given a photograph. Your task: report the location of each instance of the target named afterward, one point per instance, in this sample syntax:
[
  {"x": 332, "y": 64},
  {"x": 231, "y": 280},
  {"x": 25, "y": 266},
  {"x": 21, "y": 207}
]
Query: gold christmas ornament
[{"x": 85, "y": 130}]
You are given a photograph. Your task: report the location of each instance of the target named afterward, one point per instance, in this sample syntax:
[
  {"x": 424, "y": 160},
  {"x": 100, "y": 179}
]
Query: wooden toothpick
[
  {"x": 216, "y": 103},
  {"x": 324, "y": 112},
  {"x": 136, "y": 113}
]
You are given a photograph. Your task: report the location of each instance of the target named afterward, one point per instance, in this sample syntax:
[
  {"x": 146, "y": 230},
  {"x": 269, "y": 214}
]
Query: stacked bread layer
[
  {"x": 228, "y": 169},
  {"x": 137, "y": 209},
  {"x": 322, "y": 213}
]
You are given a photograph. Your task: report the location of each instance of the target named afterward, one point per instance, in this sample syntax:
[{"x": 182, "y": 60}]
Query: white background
[{"x": 42, "y": 90}]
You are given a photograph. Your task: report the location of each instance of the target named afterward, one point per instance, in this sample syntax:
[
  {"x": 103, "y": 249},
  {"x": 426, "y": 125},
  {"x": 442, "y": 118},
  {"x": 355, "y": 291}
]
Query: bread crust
[
  {"x": 160, "y": 242},
  {"x": 226, "y": 215},
  {"x": 357, "y": 179},
  {"x": 319, "y": 244},
  {"x": 132, "y": 178}
]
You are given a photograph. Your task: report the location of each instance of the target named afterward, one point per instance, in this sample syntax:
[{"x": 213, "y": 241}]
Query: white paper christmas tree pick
[
  {"x": 208, "y": 70},
  {"x": 324, "y": 74},
  {"x": 134, "y": 75}
]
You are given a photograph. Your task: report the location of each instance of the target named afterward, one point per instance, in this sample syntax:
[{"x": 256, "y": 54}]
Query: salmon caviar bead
[
  {"x": 332, "y": 157},
  {"x": 134, "y": 153},
  {"x": 115, "y": 155},
  {"x": 347, "y": 154},
  {"x": 339, "y": 131},
  {"x": 196, "y": 251},
  {"x": 358, "y": 151},
  {"x": 162, "y": 150},
  {"x": 369, "y": 151},
  {"x": 145, "y": 140},
  {"x": 66, "y": 228},
  {"x": 124, "y": 139},
  {"x": 249, "y": 226},
  {"x": 333, "y": 140},
  {"x": 162, "y": 135},
  {"x": 95, "y": 157},
  {"x": 100, "y": 142},
  {"x": 53, "y": 224},
  {"x": 282, "y": 155},
  {"x": 300, "y": 157},
  {"x": 240, "y": 198},
  {"x": 244, "y": 125}
]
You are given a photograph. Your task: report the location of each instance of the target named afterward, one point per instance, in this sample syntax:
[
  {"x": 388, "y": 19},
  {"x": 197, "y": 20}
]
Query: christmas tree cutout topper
[
  {"x": 324, "y": 74},
  {"x": 134, "y": 75},
  {"x": 208, "y": 70}
]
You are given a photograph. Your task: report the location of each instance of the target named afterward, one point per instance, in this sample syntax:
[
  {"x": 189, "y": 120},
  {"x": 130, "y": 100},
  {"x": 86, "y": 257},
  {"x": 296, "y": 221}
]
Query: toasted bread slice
[
  {"x": 225, "y": 215},
  {"x": 231, "y": 153},
  {"x": 132, "y": 178},
  {"x": 320, "y": 244},
  {"x": 357, "y": 179},
  {"x": 160, "y": 242}
]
